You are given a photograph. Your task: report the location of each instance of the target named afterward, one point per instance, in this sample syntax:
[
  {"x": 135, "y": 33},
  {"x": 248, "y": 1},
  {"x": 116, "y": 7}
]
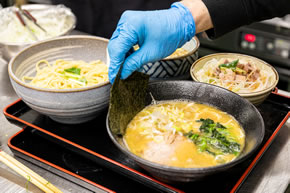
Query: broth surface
[{"x": 173, "y": 133}]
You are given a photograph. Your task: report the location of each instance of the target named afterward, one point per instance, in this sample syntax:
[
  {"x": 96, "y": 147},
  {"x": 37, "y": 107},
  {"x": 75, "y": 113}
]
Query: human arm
[
  {"x": 227, "y": 15},
  {"x": 218, "y": 17},
  {"x": 200, "y": 14},
  {"x": 166, "y": 30}
]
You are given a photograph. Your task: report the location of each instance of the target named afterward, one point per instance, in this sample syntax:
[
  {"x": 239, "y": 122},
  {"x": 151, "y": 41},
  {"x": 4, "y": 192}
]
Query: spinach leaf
[{"x": 213, "y": 138}]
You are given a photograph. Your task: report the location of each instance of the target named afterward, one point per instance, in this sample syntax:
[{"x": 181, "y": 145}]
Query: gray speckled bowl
[
  {"x": 175, "y": 68},
  {"x": 244, "y": 112},
  {"x": 70, "y": 106}
]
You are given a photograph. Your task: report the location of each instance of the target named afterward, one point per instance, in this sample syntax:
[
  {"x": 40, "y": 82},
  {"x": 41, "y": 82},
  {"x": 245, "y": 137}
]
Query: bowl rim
[
  {"x": 197, "y": 44},
  {"x": 158, "y": 166},
  {"x": 20, "y": 82},
  {"x": 261, "y": 92},
  {"x": 40, "y": 6}
]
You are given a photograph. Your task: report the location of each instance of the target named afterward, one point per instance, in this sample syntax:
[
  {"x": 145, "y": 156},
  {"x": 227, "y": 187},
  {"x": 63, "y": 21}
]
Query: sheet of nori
[{"x": 127, "y": 98}]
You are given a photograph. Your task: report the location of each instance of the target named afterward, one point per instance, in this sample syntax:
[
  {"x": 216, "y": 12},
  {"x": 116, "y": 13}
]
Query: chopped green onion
[
  {"x": 70, "y": 75},
  {"x": 80, "y": 82},
  {"x": 73, "y": 74},
  {"x": 231, "y": 65},
  {"x": 73, "y": 70}
]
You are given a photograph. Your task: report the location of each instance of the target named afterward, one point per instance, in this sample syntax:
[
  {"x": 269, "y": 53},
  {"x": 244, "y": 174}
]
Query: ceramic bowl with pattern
[
  {"x": 174, "y": 68},
  {"x": 69, "y": 106}
]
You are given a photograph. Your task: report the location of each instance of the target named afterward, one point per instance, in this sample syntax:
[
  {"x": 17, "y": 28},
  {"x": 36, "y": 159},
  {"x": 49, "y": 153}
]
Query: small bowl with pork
[{"x": 245, "y": 75}]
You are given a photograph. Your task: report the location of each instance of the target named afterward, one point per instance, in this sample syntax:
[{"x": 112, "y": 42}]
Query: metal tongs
[{"x": 20, "y": 12}]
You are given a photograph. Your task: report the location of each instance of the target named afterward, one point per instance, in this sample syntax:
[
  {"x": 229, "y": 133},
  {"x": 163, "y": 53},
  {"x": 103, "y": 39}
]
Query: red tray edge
[
  {"x": 234, "y": 189},
  {"x": 54, "y": 165},
  {"x": 79, "y": 147},
  {"x": 260, "y": 154}
]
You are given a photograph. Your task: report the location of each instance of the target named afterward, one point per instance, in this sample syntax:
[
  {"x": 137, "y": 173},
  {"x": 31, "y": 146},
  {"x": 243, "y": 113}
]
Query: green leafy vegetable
[
  {"x": 231, "y": 65},
  {"x": 73, "y": 70},
  {"x": 73, "y": 74},
  {"x": 81, "y": 81},
  {"x": 214, "y": 138}
]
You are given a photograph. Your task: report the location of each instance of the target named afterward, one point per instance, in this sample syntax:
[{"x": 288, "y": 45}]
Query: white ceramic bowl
[
  {"x": 70, "y": 106},
  {"x": 56, "y": 13},
  {"x": 256, "y": 97}
]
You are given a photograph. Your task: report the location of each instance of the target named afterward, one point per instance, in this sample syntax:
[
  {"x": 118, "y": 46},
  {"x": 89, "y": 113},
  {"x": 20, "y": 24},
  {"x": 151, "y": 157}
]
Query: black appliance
[{"x": 268, "y": 40}]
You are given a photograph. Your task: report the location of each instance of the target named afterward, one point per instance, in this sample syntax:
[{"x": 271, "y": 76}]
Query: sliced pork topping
[{"x": 238, "y": 75}]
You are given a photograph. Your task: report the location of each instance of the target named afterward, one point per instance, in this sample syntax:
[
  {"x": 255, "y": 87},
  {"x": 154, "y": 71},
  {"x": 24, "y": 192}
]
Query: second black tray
[{"x": 91, "y": 142}]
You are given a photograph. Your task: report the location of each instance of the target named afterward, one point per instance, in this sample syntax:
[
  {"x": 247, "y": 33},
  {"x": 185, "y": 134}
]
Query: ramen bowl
[
  {"x": 176, "y": 67},
  {"x": 70, "y": 106},
  {"x": 241, "y": 109},
  {"x": 255, "y": 97},
  {"x": 57, "y": 20}
]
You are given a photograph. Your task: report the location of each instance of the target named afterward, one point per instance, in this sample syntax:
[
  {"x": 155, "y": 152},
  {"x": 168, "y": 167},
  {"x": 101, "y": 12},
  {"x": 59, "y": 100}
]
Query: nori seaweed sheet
[{"x": 127, "y": 98}]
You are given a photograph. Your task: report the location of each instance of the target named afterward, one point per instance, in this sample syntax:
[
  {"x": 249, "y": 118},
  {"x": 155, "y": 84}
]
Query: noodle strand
[{"x": 55, "y": 76}]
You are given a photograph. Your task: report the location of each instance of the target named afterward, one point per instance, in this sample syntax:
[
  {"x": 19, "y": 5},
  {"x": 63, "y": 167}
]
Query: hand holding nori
[{"x": 127, "y": 98}]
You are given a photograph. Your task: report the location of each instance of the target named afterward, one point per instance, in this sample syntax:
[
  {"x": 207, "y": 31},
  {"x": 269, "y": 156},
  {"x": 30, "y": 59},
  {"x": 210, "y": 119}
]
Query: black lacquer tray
[{"x": 84, "y": 153}]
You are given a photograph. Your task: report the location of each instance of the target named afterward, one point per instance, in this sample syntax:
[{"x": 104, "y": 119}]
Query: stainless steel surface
[{"x": 271, "y": 175}]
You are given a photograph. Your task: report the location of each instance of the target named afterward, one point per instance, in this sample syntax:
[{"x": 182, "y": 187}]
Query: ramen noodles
[
  {"x": 184, "y": 134},
  {"x": 64, "y": 74},
  {"x": 177, "y": 53}
]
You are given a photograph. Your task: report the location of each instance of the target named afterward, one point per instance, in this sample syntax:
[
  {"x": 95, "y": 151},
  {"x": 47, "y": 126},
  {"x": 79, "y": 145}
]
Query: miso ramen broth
[{"x": 184, "y": 134}]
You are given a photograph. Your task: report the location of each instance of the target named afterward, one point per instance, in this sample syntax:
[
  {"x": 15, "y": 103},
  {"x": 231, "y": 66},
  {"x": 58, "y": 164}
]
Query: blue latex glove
[{"x": 158, "y": 34}]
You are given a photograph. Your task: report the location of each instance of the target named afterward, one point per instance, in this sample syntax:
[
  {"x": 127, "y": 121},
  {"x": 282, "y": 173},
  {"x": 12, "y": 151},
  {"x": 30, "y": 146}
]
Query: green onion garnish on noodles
[
  {"x": 231, "y": 65},
  {"x": 73, "y": 70},
  {"x": 73, "y": 74}
]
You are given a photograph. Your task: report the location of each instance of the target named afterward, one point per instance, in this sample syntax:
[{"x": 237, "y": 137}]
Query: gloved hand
[{"x": 158, "y": 34}]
